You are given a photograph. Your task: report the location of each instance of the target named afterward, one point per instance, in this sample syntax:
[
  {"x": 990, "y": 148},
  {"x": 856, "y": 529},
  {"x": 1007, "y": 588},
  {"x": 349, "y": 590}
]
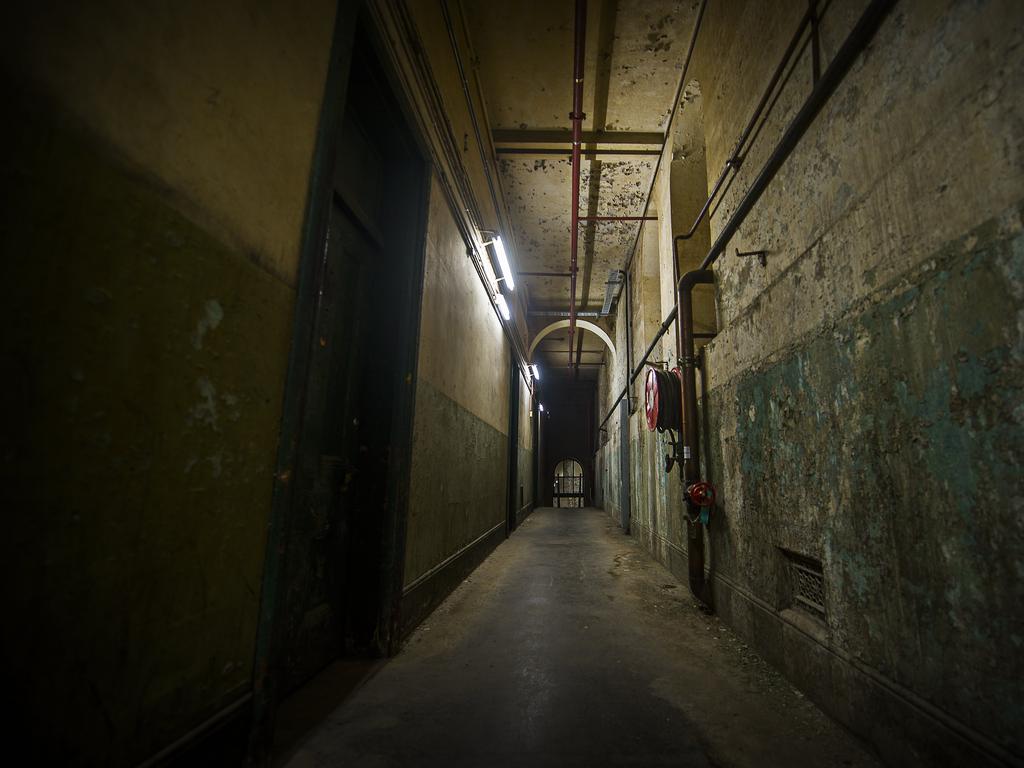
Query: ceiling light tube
[
  {"x": 542, "y": 407},
  {"x": 506, "y": 270},
  {"x": 536, "y": 371},
  {"x": 503, "y": 306},
  {"x": 492, "y": 279}
]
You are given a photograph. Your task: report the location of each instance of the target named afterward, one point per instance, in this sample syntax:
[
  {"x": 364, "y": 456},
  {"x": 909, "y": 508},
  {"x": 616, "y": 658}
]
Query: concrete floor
[{"x": 570, "y": 646}]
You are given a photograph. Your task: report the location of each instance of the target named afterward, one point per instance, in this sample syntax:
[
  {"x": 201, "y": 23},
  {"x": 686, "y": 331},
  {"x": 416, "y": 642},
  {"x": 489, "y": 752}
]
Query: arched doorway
[
  {"x": 559, "y": 324},
  {"x": 568, "y": 486}
]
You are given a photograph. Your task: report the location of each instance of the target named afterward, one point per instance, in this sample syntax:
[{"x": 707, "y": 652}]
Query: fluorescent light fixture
[
  {"x": 506, "y": 270},
  {"x": 542, "y": 407},
  {"x": 492, "y": 279},
  {"x": 536, "y": 371},
  {"x": 502, "y": 306}
]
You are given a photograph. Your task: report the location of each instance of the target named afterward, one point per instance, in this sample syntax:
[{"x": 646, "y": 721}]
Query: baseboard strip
[
  {"x": 425, "y": 593},
  {"x": 921, "y": 733}
]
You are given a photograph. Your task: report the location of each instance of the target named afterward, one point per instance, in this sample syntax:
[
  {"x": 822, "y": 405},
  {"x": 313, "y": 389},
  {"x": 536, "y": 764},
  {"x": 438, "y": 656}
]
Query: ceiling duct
[{"x": 611, "y": 290}]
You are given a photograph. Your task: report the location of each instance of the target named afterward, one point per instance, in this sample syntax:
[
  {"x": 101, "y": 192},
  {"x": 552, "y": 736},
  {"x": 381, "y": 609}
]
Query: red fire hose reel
[
  {"x": 701, "y": 493},
  {"x": 651, "y": 399},
  {"x": 663, "y": 399}
]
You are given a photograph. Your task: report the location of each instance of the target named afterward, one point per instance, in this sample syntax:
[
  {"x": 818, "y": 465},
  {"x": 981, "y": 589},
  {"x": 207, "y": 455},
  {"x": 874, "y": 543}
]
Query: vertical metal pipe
[
  {"x": 629, "y": 333},
  {"x": 675, "y": 282},
  {"x": 579, "y": 55},
  {"x": 691, "y": 436}
]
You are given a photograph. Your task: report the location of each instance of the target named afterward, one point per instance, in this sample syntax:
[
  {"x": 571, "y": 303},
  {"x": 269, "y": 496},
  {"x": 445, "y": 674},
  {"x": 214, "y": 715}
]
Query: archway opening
[
  {"x": 568, "y": 485},
  {"x": 595, "y": 329}
]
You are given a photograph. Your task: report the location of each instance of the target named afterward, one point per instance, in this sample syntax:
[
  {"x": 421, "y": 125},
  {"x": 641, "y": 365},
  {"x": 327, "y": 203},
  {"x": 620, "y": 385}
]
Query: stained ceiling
[{"x": 524, "y": 53}]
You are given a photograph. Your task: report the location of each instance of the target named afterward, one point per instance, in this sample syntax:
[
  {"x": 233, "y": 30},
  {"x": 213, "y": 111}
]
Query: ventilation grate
[{"x": 808, "y": 586}]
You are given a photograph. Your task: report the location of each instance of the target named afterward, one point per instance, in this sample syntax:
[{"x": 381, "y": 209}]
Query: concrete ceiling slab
[{"x": 523, "y": 52}]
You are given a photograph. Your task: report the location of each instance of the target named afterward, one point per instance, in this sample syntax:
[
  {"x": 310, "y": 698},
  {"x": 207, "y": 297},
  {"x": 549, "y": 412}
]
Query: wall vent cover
[{"x": 808, "y": 585}]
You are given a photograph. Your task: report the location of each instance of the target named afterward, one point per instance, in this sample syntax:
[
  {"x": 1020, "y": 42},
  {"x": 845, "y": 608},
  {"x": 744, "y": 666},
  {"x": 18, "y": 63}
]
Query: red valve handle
[{"x": 702, "y": 494}]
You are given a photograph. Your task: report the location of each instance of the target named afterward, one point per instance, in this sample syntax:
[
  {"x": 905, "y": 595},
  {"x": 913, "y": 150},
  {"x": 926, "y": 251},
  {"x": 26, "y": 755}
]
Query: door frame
[{"x": 351, "y": 17}]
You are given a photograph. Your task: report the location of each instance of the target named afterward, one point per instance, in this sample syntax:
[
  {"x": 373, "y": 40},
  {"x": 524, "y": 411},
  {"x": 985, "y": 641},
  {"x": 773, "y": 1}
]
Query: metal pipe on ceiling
[
  {"x": 561, "y": 136},
  {"x": 564, "y": 152},
  {"x": 617, "y": 218},
  {"x": 577, "y": 115}
]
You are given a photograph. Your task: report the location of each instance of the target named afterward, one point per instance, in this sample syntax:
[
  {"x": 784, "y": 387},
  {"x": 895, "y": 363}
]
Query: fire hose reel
[
  {"x": 651, "y": 399},
  {"x": 663, "y": 399}
]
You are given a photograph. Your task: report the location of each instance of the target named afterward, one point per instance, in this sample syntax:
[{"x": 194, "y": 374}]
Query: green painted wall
[
  {"x": 457, "y": 489},
  {"x": 144, "y": 365},
  {"x": 890, "y": 447},
  {"x": 865, "y": 383},
  {"x": 460, "y": 433}
]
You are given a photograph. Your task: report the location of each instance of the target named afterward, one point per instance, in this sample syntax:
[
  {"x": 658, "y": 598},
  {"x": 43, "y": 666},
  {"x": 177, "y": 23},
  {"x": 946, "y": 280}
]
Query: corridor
[
  {"x": 513, "y": 383},
  {"x": 570, "y": 646}
]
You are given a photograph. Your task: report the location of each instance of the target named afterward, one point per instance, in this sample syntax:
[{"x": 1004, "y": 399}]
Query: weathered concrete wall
[
  {"x": 864, "y": 388},
  {"x": 460, "y": 467},
  {"x": 460, "y": 440},
  {"x": 689, "y": 190},
  {"x": 611, "y": 380},
  {"x": 865, "y": 385},
  {"x": 678, "y": 195},
  {"x": 525, "y": 493},
  {"x": 656, "y": 495},
  {"x": 157, "y": 174},
  {"x": 225, "y": 121}
]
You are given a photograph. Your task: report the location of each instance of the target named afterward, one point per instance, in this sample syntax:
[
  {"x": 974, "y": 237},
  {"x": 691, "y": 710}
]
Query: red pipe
[{"x": 577, "y": 134}]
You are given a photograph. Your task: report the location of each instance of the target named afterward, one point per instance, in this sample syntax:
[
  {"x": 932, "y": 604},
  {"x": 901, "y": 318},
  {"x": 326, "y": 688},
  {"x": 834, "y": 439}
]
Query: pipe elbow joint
[{"x": 696, "y": 277}]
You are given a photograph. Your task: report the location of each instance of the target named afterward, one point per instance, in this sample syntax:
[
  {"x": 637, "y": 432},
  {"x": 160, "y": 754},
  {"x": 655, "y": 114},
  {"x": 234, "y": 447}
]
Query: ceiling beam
[
  {"x": 563, "y": 136},
  {"x": 544, "y": 151},
  {"x": 561, "y": 347}
]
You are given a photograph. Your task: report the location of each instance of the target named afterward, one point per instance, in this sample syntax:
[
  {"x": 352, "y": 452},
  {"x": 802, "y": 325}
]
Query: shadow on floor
[{"x": 304, "y": 711}]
